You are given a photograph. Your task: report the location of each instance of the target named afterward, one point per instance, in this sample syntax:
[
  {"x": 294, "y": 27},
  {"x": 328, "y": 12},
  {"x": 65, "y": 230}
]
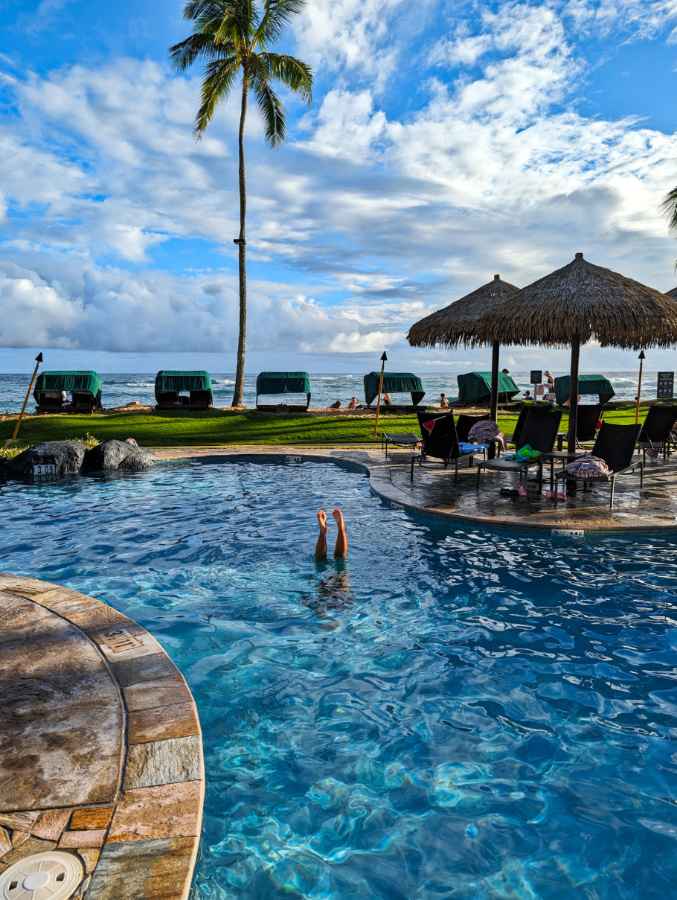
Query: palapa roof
[
  {"x": 456, "y": 324},
  {"x": 585, "y": 300},
  {"x": 672, "y": 293}
]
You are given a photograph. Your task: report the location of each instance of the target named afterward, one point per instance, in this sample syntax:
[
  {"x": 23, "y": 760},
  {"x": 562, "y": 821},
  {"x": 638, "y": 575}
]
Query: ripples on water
[{"x": 447, "y": 714}]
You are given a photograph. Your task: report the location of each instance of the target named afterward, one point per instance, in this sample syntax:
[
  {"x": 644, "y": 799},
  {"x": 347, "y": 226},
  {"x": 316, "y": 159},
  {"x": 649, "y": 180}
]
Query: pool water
[{"x": 449, "y": 713}]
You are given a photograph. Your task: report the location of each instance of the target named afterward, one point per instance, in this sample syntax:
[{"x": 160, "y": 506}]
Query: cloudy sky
[{"x": 447, "y": 140}]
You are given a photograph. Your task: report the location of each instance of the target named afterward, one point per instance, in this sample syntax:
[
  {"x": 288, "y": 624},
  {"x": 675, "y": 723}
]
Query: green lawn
[{"x": 223, "y": 427}]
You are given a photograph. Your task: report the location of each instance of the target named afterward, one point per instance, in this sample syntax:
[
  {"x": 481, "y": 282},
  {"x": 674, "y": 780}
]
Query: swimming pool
[{"x": 447, "y": 714}]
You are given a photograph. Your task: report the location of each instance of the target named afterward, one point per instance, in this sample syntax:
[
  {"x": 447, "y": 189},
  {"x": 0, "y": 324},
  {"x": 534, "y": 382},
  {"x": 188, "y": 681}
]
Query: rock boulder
[
  {"x": 112, "y": 455},
  {"x": 66, "y": 456}
]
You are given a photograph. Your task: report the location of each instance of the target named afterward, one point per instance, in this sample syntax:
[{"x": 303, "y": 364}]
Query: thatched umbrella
[
  {"x": 579, "y": 303},
  {"x": 672, "y": 293},
  {"x": 456, "y": 324}
]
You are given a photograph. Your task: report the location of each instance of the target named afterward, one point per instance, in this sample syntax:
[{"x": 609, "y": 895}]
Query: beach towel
[
  {"x": 486, "y": 431},
  {"x": 588, "y": 467}
]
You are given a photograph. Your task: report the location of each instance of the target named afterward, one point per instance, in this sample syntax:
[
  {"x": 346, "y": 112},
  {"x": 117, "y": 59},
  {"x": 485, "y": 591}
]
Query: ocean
[{"x": 120, "y": 389}]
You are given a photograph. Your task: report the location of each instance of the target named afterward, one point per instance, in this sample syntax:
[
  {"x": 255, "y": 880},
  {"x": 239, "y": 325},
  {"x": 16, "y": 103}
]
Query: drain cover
[{"x": 43, "y": 876}]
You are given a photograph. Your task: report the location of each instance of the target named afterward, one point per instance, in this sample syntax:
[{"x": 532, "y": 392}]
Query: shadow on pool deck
[{"x": 653, "y": 506}]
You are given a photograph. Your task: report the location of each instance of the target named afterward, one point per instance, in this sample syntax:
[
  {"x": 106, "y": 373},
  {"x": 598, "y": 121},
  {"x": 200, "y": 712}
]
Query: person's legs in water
[
  {"x": 341, "y": 549},
  {"x": 321, "y": 546}
]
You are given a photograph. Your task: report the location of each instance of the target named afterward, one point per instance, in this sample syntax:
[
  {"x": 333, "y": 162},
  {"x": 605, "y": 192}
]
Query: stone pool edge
[
  {"x": 145, "y": 840},
  {"x": 379, "y": 471}
]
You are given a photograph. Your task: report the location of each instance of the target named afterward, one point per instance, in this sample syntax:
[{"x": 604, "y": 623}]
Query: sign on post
[
  {"x": 665, "y": 386},
  {"x": 536, "y": 377}
]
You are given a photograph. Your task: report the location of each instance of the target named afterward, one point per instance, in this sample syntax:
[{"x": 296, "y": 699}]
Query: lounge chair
[
  {"x": 539, "y": 431},
  {"x": 407, "y": 440},
  {"x": 521, "y": 418},
  {"x": 519, "y": 424},
  {"x": 465, "y": 422},
  {"x": 439, "y": 442},
  {"x": 657, "y": 429},
  {"x": 587, "y": 419},
  {"x": 615, "y": 444}
]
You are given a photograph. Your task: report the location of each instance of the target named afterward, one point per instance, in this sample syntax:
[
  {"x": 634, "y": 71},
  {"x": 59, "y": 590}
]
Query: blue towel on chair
[{"x": 471, "y": 448}]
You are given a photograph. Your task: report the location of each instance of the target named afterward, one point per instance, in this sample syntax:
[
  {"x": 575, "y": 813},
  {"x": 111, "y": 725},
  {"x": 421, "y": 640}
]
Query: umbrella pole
[
  {"x": 573, "y": 392},
  {"x": 38, "y": 360},
  {"x": 380, "y": 388},
  {"x": 493, "y": 414}
]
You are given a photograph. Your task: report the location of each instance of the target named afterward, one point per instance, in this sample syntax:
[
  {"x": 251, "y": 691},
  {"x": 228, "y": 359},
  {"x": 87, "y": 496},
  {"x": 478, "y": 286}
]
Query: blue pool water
[{"x": 449, "y": 713}]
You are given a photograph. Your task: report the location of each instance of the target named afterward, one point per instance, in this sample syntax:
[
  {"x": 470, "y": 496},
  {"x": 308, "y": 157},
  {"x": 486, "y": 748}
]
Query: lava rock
[
  {"x": 112, "y": 455},
  {"x": 66, "y": 456}
]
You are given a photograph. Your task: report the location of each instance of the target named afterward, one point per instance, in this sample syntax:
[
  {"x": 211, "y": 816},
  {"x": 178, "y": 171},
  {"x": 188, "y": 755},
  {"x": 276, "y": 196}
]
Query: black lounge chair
[
  {"x": 439, "y": 442},
  {"x": 615, "y": 444},
  {"x": 519, "y": 424},
  {"x": 587, "y": 419},
  {"x": 657, "y": 429},
  {"x": 464, "y": 423},
  {"x": 539, "y": 432},
  {"x": 407, "y": 441}
]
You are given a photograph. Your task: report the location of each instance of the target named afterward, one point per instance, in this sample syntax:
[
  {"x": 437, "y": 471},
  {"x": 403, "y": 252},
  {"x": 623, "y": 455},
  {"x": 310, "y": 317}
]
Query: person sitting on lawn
[
  {"x": 353, "y": 403},
  {"x": 444, "y": 403},
  {"x": 335, "y": 405}
]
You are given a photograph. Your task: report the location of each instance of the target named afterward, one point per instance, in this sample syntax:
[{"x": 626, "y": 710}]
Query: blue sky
[{"x": 446, "y": 141}]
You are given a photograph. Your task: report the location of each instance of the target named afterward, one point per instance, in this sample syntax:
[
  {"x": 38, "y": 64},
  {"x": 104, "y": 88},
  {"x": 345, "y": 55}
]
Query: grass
[{"x": 218, "y": 427}]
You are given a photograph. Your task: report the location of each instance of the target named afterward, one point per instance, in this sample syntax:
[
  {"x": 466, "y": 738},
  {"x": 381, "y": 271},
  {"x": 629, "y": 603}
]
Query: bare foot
[
  {"x": 321, "y": 546},
  {"x": 341, "y": 549}
]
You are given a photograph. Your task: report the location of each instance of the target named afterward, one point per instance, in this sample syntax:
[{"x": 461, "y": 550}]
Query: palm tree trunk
[{"x": 242, "y": 247}]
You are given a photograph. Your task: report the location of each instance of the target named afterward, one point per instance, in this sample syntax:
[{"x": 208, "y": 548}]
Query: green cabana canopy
[
  {"x": 475, "y": 387},
  {"x": 587, "y": 384},
  {"x": 393, "y": 383},
  {"x": 283, "y": 383},
  {"x": 69, "y": 381},
  {"x": 167, "y": 382}
]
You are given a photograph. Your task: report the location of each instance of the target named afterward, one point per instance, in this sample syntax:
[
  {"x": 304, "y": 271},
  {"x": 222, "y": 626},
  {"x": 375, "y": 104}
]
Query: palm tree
[
  {"x": 668, "y": 208},
  {"x": 231, "y": 37}
]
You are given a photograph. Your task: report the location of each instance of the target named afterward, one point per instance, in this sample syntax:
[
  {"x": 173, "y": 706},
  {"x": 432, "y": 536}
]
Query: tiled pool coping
[{"x": 100, "y": 745}]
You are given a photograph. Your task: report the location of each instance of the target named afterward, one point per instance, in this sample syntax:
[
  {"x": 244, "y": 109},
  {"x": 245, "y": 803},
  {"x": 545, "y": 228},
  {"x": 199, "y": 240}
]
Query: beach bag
[
  {"x": 588, "y": 467},
  {"x": 485, "y": 431}
]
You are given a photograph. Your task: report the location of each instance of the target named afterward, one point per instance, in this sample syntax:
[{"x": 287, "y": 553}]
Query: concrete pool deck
[
  {"x": 651, "y": 508},
  {"x": 100, "y": 745}
]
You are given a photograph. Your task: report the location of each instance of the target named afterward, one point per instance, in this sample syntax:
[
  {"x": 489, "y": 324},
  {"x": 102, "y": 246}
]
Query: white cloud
[{"x": 363, "y": 223}]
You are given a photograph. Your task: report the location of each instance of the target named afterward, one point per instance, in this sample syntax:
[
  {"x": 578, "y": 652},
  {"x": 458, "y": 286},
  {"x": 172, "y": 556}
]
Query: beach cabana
[
  {"x": 283, "y": 383},
  {"x": 51, "y": 388},
  {"x": 579, "y": 303},
  {"x": 183, "y": 390},
  {"x": 587, "y": 384},
  {"x": 456, "y": 326},
  {"x": 394, "y": 383},
  {"x": 474, "y": 388}
]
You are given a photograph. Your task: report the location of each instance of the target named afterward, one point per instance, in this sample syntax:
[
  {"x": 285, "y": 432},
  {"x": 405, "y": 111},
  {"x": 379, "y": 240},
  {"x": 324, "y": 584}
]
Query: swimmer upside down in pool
[{"x": 341, "y": 548}]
